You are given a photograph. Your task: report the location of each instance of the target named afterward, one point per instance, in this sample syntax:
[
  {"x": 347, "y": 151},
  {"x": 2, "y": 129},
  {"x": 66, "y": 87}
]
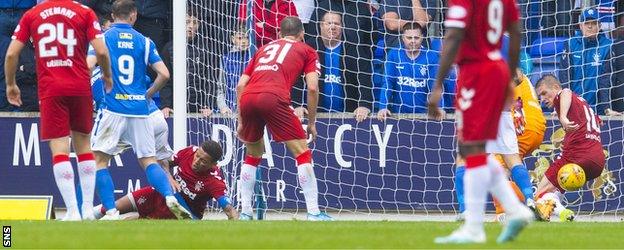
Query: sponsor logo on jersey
[
  {"x": 126, "y": 97},
  {"x": 124, "y": 35},
  {"x": 272, "y": 67},
  {"x": 409, "y": 81},
  {"x": 331, "y": 78},
  {"x": 59, "y": 63}
]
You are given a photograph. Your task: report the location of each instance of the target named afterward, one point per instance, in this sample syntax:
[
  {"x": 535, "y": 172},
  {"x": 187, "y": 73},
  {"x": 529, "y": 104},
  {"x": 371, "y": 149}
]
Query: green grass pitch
[{"x": 296, "y": 234}]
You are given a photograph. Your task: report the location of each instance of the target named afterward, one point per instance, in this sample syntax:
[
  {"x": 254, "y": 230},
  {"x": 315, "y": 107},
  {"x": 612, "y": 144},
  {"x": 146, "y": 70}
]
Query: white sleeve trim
[
  {"x": 454, "y": 24},
  {"x": 147, "y": 50}
]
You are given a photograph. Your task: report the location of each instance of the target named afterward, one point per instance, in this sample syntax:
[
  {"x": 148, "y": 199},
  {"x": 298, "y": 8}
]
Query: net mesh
[{"x": 404, "y": 164}]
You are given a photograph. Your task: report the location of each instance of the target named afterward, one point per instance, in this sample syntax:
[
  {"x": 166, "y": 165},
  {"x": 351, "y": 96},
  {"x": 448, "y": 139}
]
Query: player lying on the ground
[
  {"x": 126, "y": 115},
  {"x": 198, "y": 178},
  {"x": 581, "y": 144}
]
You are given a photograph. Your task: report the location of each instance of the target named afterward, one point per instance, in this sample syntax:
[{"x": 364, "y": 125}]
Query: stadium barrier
[{"x": 369, "y": 166}]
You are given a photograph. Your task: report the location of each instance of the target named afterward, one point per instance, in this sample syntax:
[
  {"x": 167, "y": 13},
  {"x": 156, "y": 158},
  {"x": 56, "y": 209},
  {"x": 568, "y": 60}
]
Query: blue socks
[
  {"x": 157, "y": 177},
  {"x": 105, "y": 188},
  {"x": 520, "y": 175},
  {"x": 459, "y": 186}
]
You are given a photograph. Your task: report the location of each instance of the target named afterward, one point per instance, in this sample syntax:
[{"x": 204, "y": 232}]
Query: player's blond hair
[{"x": 548, "y": 80}]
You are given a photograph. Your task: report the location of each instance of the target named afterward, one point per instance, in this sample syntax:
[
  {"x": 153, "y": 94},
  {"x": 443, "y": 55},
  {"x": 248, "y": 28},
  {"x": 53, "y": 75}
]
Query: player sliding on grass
[
  {"x": 264, "y": 99},
  {"x": 198, "y": 178},
  {"x": 484, "y": 85},
  {"x": 581, "y": 144}
]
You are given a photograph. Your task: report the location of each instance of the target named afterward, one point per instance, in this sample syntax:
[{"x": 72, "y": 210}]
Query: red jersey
[
  {"x": 587, "y": 137},
  {"x": 484, "y": 22},
  {"x": 277, "y": 65},
  {"x": 61, "y": 31},
  {"x": 197, "y": 188}
]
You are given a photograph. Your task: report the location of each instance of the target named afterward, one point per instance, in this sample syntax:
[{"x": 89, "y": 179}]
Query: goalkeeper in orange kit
[
  {"x": 520, "y": 131},
  {"x": 530, "y": 126}
]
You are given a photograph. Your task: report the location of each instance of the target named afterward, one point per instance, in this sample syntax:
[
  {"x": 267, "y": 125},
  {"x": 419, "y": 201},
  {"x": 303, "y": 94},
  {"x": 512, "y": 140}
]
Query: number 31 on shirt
[{"x": 272, "y": 50}]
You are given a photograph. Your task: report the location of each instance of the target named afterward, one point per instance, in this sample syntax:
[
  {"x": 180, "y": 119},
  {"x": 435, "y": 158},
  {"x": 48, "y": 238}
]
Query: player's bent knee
[
  {"x": 101, "y": 159},
  {"x": 297, "y": 147},
  {"x": 146, "y": 161},
  {"x": 59, "y": 145}
]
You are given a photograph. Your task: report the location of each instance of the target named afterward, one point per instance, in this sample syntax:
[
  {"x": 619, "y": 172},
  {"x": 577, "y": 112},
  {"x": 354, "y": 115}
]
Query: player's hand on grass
[
  {"x": 206, "y": 112},
  {"x": 14, "y": 95},
  {"x": 167, "y": 112},
  {"x": 383, "y": 114},
  {"x": 567, "y": 124},
  {"x": 312, "y": 131},
  {"x": 361, "y": 113},
  {"x": 433, "y": 110},
  {"x": 301, "y": 112}
]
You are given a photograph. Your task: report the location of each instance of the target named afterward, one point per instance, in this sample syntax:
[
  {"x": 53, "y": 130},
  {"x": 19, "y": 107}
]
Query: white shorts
[
  {"x": 113, "y": 133},
  {"x": 161, "y": 136},
  {"x": 506, "y": 141}
]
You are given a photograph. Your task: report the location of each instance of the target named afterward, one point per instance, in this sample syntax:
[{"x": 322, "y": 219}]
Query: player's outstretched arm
[
  {"x": 231, "y": 212},
  {"x": 162, "y": 76},
  {"x": 312, "y": 79},
  {"x": 452, "y": 41},
  {"x": 10, "y": 67},
  {"x": 103, "y": 59}
]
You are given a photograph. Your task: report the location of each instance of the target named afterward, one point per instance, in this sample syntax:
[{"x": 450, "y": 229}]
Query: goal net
[{"x": 406, "y": 163}]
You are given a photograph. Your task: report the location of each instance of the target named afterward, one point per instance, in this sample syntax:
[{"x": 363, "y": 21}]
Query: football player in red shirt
[
  {"x": 197, "y": 177},
  {"x": 61, "y": 31},
  {"x": 581, "y": 143},
  {"x": 264, "y": 99},
  {"x": 473, "y": 40}
]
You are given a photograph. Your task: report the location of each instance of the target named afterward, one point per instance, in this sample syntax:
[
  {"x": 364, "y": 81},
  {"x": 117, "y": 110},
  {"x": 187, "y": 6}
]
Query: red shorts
[
  {"x": 151, "y": 204},
  {"x": 592, "y": 163},
  {"x": 481, "y": 93},
  {"x": 260, "y": 109},
  {"x": 62, "y": 114}
]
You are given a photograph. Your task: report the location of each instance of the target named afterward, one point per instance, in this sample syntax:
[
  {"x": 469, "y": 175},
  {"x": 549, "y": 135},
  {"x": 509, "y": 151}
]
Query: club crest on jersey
[
  {"x": 596, "y": 61},
  {"x": 465, "y": 100},
  {"x": 423, "y": 70},
  {"x": 199, "y": 186}
]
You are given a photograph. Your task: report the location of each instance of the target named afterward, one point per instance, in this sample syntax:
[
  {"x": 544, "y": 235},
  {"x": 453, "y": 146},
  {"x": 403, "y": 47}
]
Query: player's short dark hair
[
  {"x": 291, "y": 26},
  {"x": 549, "y": 80},
  {"x": 412, "y": 26},
  {"x": 213, "y": 149},
  {"x": 122, "y": 9}
]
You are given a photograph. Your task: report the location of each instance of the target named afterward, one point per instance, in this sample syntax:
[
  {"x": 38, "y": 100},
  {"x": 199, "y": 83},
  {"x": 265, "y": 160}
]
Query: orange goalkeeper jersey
[{"x": 531, "y": 109}]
